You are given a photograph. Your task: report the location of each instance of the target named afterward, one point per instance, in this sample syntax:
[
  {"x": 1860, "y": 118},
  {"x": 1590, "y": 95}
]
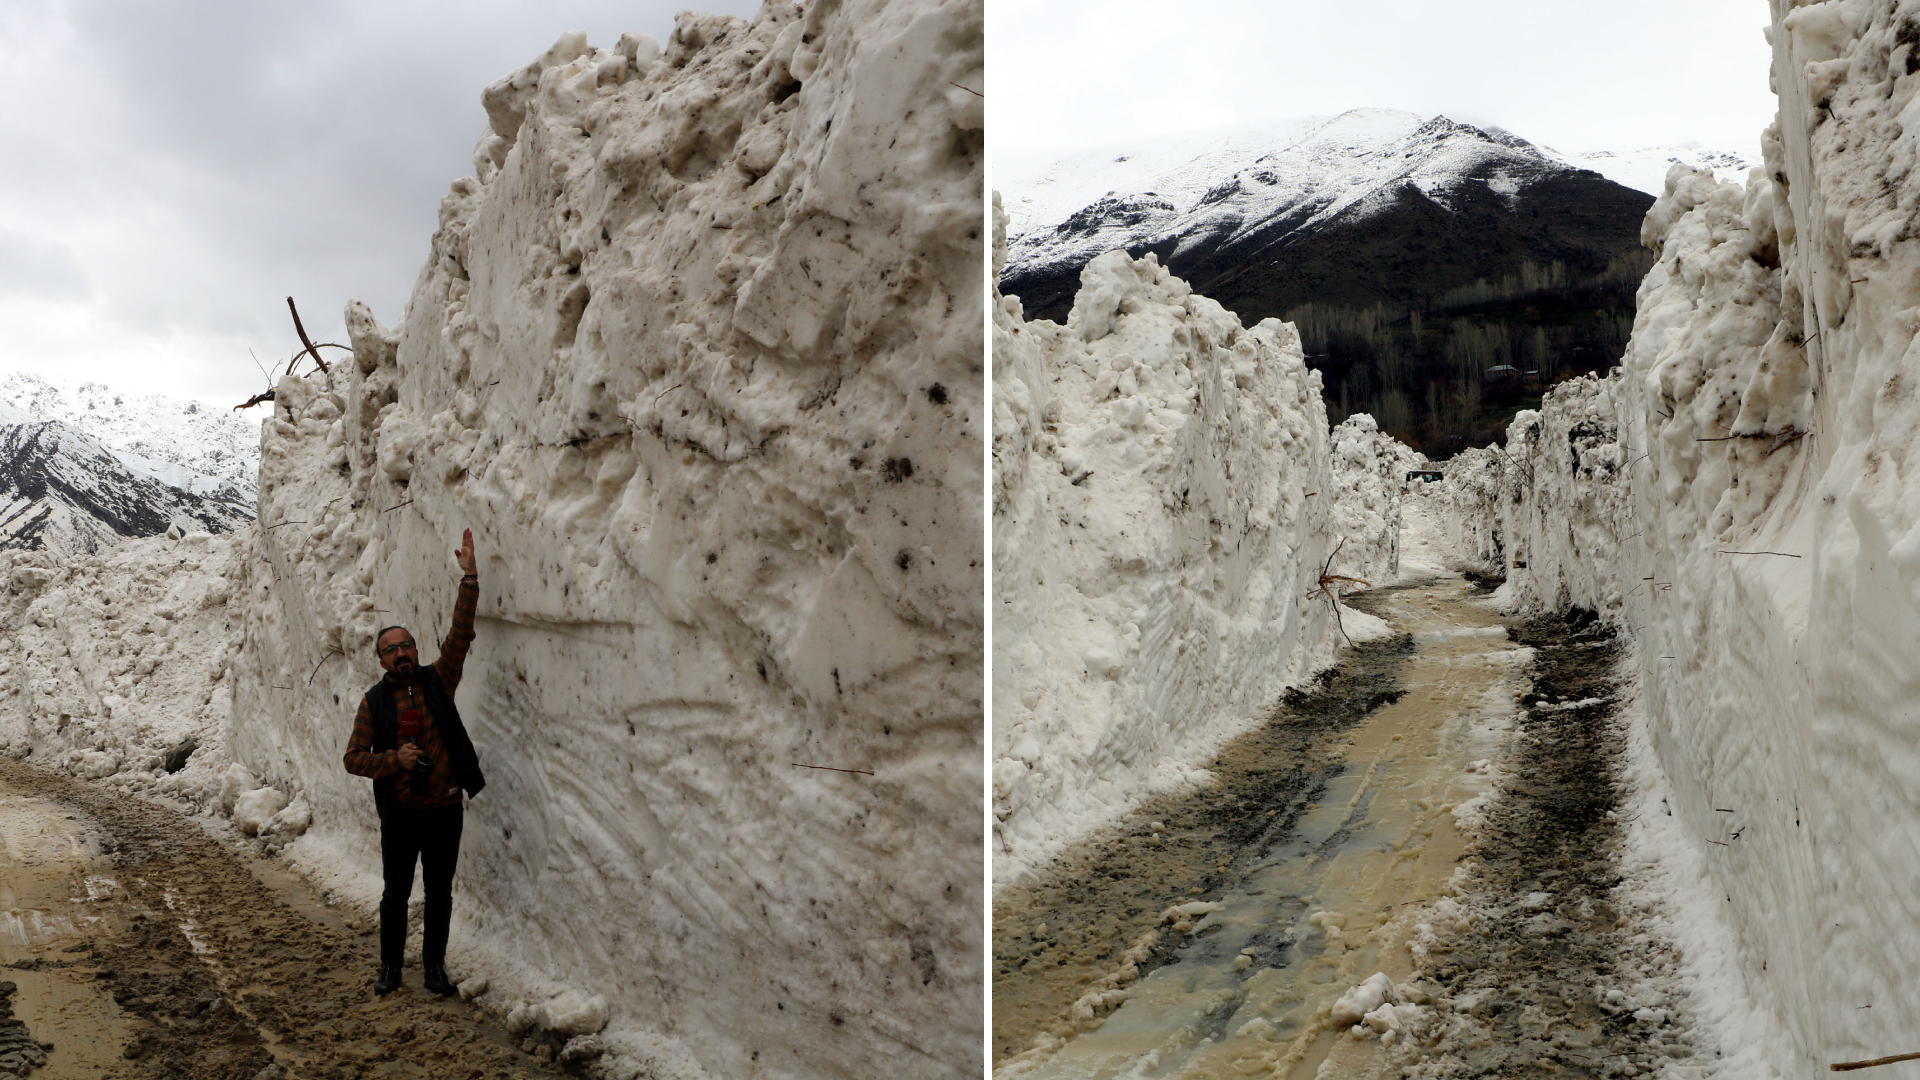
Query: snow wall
[
  {"x": 696, "y": 355},
  {"x": 1163, "y": 496},
  {"x": 1741, "y": 498}
]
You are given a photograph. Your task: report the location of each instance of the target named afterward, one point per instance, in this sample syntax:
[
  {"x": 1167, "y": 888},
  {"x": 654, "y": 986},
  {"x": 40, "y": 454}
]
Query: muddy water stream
[
  {"x": 1242, "y": 979},
  {"x": 49, "y": 904}
]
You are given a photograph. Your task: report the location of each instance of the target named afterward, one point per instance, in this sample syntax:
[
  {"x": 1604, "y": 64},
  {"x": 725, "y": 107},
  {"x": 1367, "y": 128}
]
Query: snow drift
[
  {"x": 1740, "y": 498},
  {"x": 696, "y": 354},
  {"x": 1163, "y": 497},
  {"x": 117, "y": 665}
]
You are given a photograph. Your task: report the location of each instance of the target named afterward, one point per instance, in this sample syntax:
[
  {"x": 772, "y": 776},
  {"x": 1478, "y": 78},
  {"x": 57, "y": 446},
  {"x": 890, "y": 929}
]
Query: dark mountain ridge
[
  {"x": 1441, "y": 274},
  {"x": 61, "y": 490}
]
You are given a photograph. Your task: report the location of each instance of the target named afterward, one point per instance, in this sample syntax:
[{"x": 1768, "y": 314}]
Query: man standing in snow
[{"x": 408, "y": 737}]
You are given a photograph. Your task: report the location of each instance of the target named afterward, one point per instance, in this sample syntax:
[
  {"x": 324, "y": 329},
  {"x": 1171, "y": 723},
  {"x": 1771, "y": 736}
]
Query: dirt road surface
[
  {"x": 1439, "y": 809},
  {"x": 133, "y": 944}
]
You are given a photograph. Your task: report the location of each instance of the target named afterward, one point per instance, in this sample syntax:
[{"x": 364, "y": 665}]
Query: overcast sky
[
  {"x": 170, "y": 172},
  {"x": 1576, "y": 75}
]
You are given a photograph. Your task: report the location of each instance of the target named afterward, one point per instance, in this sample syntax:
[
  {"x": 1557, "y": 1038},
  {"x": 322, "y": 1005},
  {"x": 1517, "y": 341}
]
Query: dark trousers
[{"x": 432, "y": 836}]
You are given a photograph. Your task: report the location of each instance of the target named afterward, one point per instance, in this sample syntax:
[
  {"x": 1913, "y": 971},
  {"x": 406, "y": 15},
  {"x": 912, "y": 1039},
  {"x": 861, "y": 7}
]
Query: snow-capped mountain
[
  {"x": 199, "y": 448},
  {"x": 1645, "y": 169},
  {"x": 1368, "y": 206},
  {"x": 61, "y": 490}
]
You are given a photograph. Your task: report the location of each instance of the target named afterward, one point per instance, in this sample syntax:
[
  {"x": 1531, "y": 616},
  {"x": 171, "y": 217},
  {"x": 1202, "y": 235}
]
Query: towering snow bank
[
  {"x": 1759, "y": 444},
  {"x": 115, "y": 666},
  {"x": 1162, "y": 497},
  {"x": 1547, "y": 510},
  {"x": 1368, "y": 484},
  {"x": 697, "y": 357}
]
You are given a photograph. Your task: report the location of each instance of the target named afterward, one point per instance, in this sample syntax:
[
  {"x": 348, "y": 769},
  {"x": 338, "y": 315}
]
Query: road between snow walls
[
  {"x": 696, "y": 355},
  {"x": 1172, "y": 524},
  {"x": 1738, "y": 499}
]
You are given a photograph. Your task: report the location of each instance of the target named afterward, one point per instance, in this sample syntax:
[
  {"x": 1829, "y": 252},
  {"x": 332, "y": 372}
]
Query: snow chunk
[
  {"x": 1362, "y": 999},
  {"x": 253, "y": 809},
  {"x": 572, "y": 1014},
  {"x": 233, "y": 783},
  {"x": 95, "y": 764}
]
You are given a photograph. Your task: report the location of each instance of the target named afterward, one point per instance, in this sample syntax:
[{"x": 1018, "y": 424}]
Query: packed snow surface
[
  {"x": 696, "y": 355},
  {"x": 1165, "y": 499},
  {"x": 204, "y": 449},
  {"x": 1739, "y": 499}
]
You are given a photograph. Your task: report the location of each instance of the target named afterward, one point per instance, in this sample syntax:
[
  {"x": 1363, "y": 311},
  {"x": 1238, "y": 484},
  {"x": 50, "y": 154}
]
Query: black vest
[{"x": 446, "y": 718}]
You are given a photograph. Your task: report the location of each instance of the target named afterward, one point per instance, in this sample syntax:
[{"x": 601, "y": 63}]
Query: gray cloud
[
  {"x": 198, "y": 161},
  {"x": 1572, "y": 74},
  {"x": 34, "y": 267}
]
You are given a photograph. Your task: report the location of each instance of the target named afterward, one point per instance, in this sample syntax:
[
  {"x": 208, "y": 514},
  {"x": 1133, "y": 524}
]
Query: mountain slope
[
  {"x": 190, "y": 445},
  {"x": 1367, "y": 207},
  {"x": 61, "y": 490},
  {"x": 1441, "y": 275}
]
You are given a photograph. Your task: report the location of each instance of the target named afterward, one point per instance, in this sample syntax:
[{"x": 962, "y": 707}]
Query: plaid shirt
[{"x": 442, "y": 787}]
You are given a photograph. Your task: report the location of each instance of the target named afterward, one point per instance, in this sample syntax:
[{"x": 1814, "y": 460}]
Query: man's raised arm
[{"x": 453, "y": 651}]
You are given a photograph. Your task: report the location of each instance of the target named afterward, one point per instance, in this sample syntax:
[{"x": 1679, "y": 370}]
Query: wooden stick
[
  {"x": 304, "y": 340},
  {"x": 321, "y": 664},
  {"x": 1849, "y": 1066},
  {"x": 829, "y": 768}
]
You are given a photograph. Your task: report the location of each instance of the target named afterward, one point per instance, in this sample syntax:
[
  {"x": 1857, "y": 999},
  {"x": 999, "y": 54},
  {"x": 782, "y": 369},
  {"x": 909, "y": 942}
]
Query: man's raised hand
[{"x": 464, "y": 553}]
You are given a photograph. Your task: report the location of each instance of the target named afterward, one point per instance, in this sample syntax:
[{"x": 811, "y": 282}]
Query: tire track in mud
[
  {"x": 1549, "y": 972},
  {"x": 222, "y": 980},
  {"x": 1090, "y": 920},
  {"x": 1535, "y": 962}
]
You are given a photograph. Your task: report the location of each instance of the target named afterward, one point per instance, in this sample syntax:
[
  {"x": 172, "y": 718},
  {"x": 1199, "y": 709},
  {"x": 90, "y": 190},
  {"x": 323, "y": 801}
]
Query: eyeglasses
[{"x": 389, "y": 650}]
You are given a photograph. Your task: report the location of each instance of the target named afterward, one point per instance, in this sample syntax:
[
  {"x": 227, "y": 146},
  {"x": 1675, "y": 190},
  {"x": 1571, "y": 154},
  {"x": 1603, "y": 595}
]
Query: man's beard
[{"x": 404, "y": 667}]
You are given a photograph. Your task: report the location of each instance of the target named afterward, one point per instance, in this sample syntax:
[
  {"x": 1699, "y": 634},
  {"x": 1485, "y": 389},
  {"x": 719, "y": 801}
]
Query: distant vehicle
[
  {"x": 1502, "y": 371},
  {"x": 1431, "y": 476}
]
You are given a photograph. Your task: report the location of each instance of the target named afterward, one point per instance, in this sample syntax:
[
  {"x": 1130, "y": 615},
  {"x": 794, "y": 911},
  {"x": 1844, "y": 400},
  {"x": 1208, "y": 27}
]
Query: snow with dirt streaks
[
  {"x": 1739, "y": 497},
  {"x": 696, "y": 355},
  {"x": 1164, "y": 493}
]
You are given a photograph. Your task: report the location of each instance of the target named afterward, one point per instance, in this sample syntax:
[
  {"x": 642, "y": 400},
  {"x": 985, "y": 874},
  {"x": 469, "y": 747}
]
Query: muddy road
[
  {"x": 1439, "y": 810},
  {"x": 135, "y": 945}
]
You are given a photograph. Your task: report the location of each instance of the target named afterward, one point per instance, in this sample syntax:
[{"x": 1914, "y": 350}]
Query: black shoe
[
  {"x": 388, "y": 982},
  {"x": 436, "y": 981}
]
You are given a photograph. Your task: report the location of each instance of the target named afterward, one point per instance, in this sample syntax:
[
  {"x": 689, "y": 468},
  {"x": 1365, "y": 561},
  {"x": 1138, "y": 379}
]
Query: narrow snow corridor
[{"x": 1434, "y": 890}]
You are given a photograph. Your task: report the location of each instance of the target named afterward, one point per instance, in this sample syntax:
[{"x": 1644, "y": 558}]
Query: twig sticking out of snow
[
  {"x": 304, "y": 340},
  {"x": 1329, "y": 579},
  {"x": 1849, "y": 1066},
  {"x": 321, "y": 664},
  {"x": 829, "y": 768}
]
